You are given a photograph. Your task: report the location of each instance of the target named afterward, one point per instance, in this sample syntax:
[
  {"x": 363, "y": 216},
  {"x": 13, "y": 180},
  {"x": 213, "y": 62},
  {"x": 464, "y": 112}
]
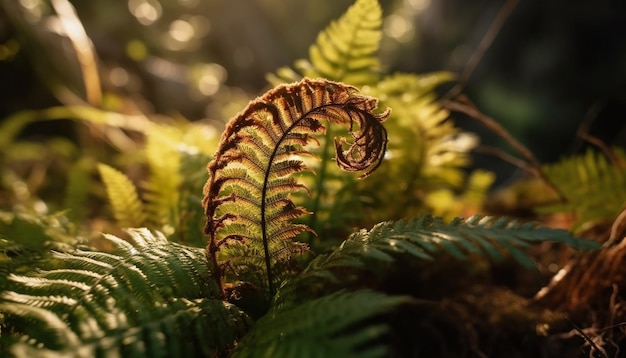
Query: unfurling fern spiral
[{"x": 247, "y": 204}]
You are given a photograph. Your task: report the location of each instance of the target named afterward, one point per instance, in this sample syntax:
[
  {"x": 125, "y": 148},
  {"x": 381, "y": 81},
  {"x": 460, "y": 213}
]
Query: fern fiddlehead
[{"x": 247, "y": 205}]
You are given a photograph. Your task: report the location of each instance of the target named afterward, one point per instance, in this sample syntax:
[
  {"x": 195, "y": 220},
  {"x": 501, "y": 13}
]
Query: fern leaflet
[
  {"x": 423, "y": 238},
  {"x": 345, "y": 51},
  {"x": 162, "y": 188},
  {"x": 594, "y": 188},
  {"x": 324, "y": 327},
  {"x": 247, "y": 202},
  {"x": 150, "y": 297},
  {"x": 438, "y": 153},
  {"x": 127, "y": 207}
]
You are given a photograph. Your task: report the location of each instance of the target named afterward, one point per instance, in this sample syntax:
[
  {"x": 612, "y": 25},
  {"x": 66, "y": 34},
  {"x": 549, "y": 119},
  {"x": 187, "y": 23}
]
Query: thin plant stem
[
  {"x": 471, "y": 111},
  {"x": 485, "y": 43}
]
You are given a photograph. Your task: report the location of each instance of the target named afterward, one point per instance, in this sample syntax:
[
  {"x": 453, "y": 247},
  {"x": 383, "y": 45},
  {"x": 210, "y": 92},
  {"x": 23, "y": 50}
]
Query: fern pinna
[{"x": 247, "y": 203}]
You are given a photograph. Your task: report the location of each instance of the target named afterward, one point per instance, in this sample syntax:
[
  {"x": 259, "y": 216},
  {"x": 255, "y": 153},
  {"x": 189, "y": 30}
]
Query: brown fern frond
[{"x": 247, "y": 195}]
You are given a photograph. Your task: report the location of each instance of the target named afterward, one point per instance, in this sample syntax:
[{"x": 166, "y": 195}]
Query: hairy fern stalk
[{"x": 247, "y": 202}]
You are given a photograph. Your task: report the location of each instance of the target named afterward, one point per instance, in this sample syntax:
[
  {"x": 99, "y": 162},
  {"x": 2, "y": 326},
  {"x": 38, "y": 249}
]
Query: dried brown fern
[{"x": 247, "y": 204}]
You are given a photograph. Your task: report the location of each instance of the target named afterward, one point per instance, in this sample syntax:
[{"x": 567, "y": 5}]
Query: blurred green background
[{"x": 554, "y": 67}]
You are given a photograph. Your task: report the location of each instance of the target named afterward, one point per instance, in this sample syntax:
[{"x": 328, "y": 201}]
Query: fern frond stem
[
  {"x": 320, "y": 179},
  {"x": 471, "y": 111},
  {"x": 326, "y": 149},
  {"x": 485, "y": 43},
  {"x": 601, "y": 145},
  {"x": 211, "y": 256},
  {"x": 504, "y": 156},
  {"x": 266, "y": 244},
  {"x": 266, "y": 179},
  {"x": 491, "y": 124},
  {"x": 582, "y": 132}
]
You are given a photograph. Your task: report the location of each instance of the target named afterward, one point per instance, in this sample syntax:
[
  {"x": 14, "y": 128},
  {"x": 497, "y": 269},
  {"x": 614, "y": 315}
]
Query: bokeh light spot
[
  {"x": 181, "y": 30},
  {"x": 417, "y": 6},
  {"x": 398, "y": 28},
  {"x": 118, "y": 76},
  {"x": 209, "y": 78},
  {"x": 145, "y": 11}
]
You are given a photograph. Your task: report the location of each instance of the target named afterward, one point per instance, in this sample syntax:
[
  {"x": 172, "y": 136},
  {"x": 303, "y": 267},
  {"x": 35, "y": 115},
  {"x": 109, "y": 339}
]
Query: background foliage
[{"x": 113, "y": 128}]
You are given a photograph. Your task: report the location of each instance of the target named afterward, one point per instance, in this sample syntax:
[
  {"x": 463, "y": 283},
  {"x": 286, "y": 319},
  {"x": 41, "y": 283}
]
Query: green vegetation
[{"x": 244, "y": 244}]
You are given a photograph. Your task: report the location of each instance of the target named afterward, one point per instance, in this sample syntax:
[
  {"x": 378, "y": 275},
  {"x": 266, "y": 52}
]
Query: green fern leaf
[
  {"x": 26, "y": 239},
  {"x": 125, "y": 204},
  {"x": 342, "y": 324},
  {"x": 189, "y": 228},
  {"x": 424, "y": 238},
  {"x": 162, "y": 188},
  {"x": 79, "y": 186},
  {"x": 149, "y": 297},
  {"x": 345, "y": 51},
  {"x": 169, "y": 150},
  {"x": 437, "y": 154},
  {"x": 247, "y": 202},
  {"x": 594, "y": 188},
  {"x": 182, "y": 328}
]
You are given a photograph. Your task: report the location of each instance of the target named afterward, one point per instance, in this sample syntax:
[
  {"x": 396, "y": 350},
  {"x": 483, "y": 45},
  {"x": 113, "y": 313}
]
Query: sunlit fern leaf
[
  {"x": 342, "y": 324},
  {"x": 438, "y": 149},
  {"x": 247, "y": 204},
  {"x": 189, "y": 228},
  {"x": 79, "y": 186},
  {"x": 345, "y": 51},
  {"x": 594, "y": 187},
  {"x": 26, "y": 239},
  {"x": 448, "y": 203},
  {"x": 127, "y": 208},
  {"x": 162, "y": 187},
  {"x": 169, "y": 148},
  {"x": 34, "y": 231},
  {"x": 182, "y": 328},
  {"x": 423, "y": 239},
  {"x": 148, "y": 297},
  {"x": 427, "y": 152}
]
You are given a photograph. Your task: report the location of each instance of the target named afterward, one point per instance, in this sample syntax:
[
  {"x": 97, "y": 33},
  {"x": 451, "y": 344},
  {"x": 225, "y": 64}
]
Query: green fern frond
[
  {"x": 189, "y": 228},
  {"x": 127, "y": 208},
  {"x": 594, "y": 187},
  {"x": 247, "y": 201},
  {"x": 182, "y": 328},
  {"x": 342, "y": 324},
  {"x": 434, "y": 161},
  {"x": 26, "y": 239},
  {"x": 162, "y": 187},
  {"x": 36, "y": 232},
  {"x": 438, "y": 149},
  {"x": 168, "y": 149},
  {"x": 427, "y": 152},
  {"x": 79, "y": 187},
  {"x": 424, "y": 238},
  {"x": 148, "y": 297},
  {"x": 345, "y": 51}
]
